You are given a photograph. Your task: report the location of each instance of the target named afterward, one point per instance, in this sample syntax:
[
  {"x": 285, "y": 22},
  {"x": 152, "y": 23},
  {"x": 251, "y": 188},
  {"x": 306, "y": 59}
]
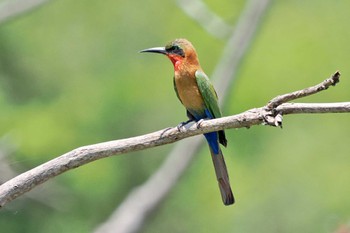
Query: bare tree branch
[
  {"x": 80, "y": 156},
  {"x": 332, "y": 81},
  {"x": 51, "y": 196},
  {"x": 297, "y": 108},
  {"x": 133, "y": 211},
  {"x": 13, "y": 8}
]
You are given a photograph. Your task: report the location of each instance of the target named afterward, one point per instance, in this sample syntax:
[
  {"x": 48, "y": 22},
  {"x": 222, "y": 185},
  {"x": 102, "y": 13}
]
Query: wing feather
[
  {"x": 208, "y": 93},
  {"x": 210, "y": 99}
]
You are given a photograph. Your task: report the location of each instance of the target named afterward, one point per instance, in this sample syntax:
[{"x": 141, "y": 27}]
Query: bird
[{"x": 195, "y": 91}]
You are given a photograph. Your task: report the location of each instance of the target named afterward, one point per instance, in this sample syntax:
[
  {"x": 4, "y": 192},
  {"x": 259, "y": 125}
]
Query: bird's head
[{"x": 179, "y": 51}]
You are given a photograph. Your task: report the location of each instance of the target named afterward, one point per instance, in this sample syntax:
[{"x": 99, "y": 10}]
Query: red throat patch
[{"x": 176, "y": 60}]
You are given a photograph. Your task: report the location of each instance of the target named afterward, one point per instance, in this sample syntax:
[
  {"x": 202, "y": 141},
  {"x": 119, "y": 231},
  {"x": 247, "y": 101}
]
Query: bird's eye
[
  {"x": 176, "y": 50},
  {"x": 172, "y": 48}
]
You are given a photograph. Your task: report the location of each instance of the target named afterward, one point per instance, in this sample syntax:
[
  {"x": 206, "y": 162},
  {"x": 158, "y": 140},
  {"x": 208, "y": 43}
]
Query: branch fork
[{"x": 273, "y": 116}]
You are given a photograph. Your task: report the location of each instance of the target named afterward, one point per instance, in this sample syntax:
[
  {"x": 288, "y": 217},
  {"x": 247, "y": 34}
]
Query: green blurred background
[{"x": 70, "y": 75}]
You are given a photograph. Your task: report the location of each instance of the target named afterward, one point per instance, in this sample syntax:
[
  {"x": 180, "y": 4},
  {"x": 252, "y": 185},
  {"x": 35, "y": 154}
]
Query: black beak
[{"x": 160, "y": 50}]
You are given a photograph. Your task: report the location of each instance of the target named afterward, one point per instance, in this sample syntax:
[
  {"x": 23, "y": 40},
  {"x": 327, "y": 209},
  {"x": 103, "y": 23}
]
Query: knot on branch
[{"x": 272, "y": 117}]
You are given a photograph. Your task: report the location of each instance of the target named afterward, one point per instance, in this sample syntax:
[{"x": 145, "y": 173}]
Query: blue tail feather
[{"x": 212, "y": 139}]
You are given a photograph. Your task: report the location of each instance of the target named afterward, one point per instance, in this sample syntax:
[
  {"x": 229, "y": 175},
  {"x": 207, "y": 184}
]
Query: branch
[
  {"x": 50, "y": 196},
  {"x": 332, "y": 81},
  {"x": 83, "y": 155},
  {"x": 297, "y": 108}
]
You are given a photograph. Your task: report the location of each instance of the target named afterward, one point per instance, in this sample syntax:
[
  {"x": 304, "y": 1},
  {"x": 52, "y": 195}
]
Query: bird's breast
[{"x": 188, "y": 92}]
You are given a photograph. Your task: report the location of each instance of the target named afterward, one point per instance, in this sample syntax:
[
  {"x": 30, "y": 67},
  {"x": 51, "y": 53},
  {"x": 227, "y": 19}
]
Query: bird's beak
[{"x": 160, "y": 50}]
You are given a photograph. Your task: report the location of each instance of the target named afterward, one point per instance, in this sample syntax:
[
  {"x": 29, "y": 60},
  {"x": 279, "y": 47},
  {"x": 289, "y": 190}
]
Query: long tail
[{"x": 222, "y": 177}]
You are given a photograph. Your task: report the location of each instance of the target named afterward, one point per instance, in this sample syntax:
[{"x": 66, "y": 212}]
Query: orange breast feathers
[{"x": 188, "y": 92}]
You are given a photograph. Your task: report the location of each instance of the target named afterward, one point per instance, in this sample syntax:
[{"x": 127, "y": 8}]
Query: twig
[
  {"x": 332, "y": 81},
  {"x": 80, "y": 156},
  {"x": 133, "y": 211},
  {"x": 294, "y": 108},
  {"x": 13, "y": 8}
]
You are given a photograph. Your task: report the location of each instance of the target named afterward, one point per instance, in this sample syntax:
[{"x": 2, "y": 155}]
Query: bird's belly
[{"x": 190, "y": 97}]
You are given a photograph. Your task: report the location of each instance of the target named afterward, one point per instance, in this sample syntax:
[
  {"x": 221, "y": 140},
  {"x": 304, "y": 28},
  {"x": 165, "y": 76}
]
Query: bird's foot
[
  {"x": 182, "y": 124},
  {"x": 199, "y": 123}
]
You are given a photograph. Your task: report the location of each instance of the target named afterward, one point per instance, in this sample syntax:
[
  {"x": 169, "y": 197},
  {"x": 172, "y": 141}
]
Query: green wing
[{"x": 208, "y": 93}]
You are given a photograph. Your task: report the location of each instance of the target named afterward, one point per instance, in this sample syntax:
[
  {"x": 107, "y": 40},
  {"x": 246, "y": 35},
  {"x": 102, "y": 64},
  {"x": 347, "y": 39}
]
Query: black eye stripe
[{"x": 175, "y": 49}]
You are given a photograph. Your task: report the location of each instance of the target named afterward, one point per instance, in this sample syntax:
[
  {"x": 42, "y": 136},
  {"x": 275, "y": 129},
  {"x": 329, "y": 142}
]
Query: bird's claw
[
  {"x": 199, "y": 123},
  {"x": 182, "y": 124},
  {"x": 179, "y": 127}
]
